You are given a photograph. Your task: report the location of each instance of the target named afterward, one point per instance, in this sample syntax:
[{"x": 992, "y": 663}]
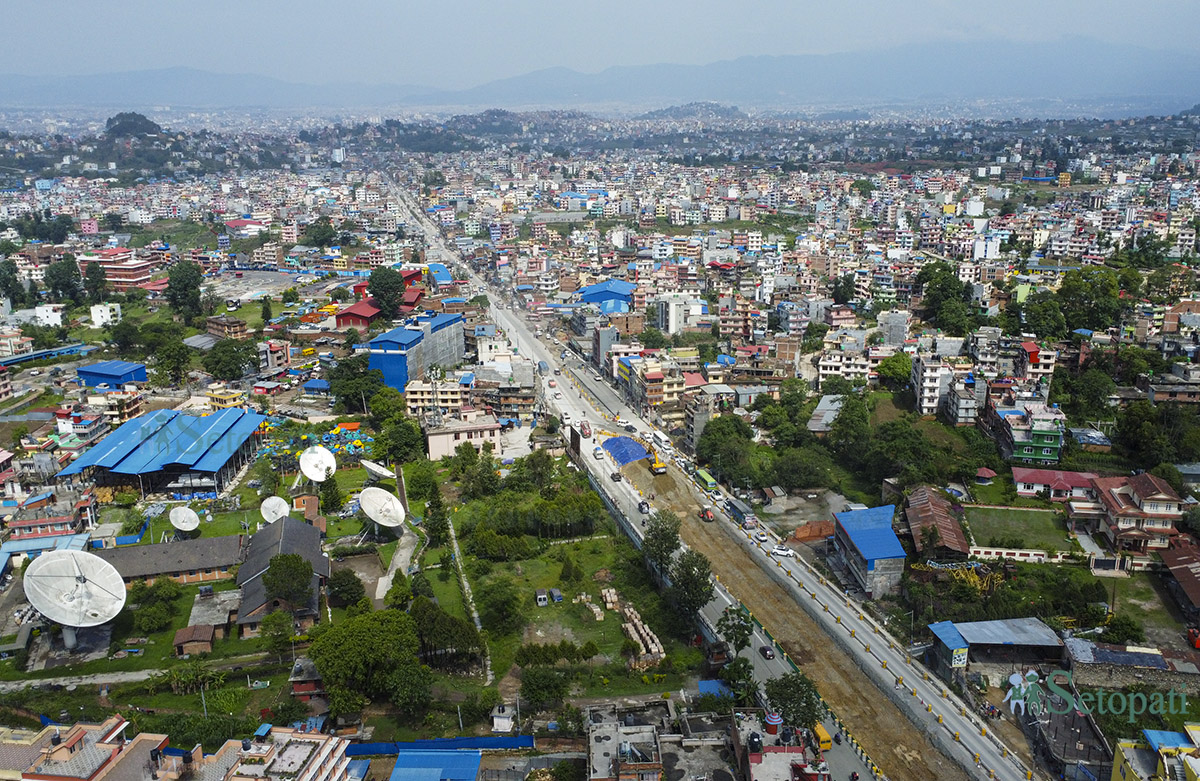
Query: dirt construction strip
[{"x": 892, "y": 741}]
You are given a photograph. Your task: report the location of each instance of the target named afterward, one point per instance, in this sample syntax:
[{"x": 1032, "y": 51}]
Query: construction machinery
[{"x": 657, "y": 466}]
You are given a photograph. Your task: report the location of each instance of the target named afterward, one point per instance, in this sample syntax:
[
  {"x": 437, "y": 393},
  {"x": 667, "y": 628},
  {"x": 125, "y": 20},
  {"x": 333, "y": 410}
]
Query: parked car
[{"x": 766, "y": 652}]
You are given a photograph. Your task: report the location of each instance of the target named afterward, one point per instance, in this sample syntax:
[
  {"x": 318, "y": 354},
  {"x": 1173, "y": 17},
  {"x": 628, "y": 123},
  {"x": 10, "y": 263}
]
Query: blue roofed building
[
  {"x": 184, "y": 456},
  {"x": 406, "y": 352},
  {"x": 870, "y": 549},
  {"x": 609, "y": 293},
  {"x": 435, "y": 765},
  {"x": 111, "y": 373},
  {"x": 440, "y": 275}
]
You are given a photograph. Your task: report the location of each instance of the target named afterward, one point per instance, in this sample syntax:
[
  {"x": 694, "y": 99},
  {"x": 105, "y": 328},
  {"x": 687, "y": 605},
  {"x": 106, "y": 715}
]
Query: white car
[
  {"x": 558, "y": 394},
  {"x": 622, "y": 422},
  {"x": 761, "y": 537},
  {"x": 784, "y": 551}
]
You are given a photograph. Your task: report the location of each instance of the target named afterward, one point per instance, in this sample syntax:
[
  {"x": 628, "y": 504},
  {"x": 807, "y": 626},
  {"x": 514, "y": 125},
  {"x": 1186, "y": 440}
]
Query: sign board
[{"x": 959, "y": 657}]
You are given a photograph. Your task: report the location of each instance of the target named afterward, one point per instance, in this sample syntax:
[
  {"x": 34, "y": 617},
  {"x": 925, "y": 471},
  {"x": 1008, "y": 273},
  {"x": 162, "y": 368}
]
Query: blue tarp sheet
[{"x": 625, "y": 450}]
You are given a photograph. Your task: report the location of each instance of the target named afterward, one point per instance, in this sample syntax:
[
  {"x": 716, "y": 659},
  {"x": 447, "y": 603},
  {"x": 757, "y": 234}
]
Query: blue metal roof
[
  {"x": 316, "y": 385},
  {"x": 434, "y": 765},
  {"x": 1161, "y": 738},
  {"x": 262, "y": 731},
  {"x": 871, "y": 532},
  {"x": 113, "y": 368},
  {"x": 467, "y": 379},
  {"x": 948, "y": 635},
  {"x": 151, "y": 442},
  {"x": 400, "y": 338}
]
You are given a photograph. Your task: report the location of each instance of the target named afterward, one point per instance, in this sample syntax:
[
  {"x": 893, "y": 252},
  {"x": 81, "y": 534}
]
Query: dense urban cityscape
[{"x": 606, "y": 440}]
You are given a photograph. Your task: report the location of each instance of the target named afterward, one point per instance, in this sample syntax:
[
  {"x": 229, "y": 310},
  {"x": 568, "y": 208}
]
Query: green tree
[
  {"x": 152, "y": 618},
  {"x": 345, "y": 587},
  {"x": 544, "y": 687},
  {"x": 501, "y": 607},
  {"x": 736, "y": 627},
  {"x": 229, "y": 359},
  {"x": 277, "y": 630},
  {"x": 352, "y": 383},
  {"x": 437, "y": 524},
  {"x": 1043, "y": 316},
  {"x": 851, "y": 429},
  {"x": 387, "y": 403},
  {"x": 653, "y": 339},
  {"x": 266, "y": 310},
  {"x": 691, "y": 583},
  {"x": 172, "y": 360},
  {"x": 1090, "y": 298},
  {"x": 386, "y": 286},
  {"x": 62, "y": 279},
  {"x": 421, "y": 481},
  {"x": 184, "y": 281},
  {"x": 399, "y": 593},
  {"x": 1172, "y": 475},
  {"x": 125, "y": 336},
  {"x": 376, "y": 656},
  {"x": 320, "y": 232},
  {"x": 895, "y": 370},
  {"x": 352, "y": 339},
  {"x": 95, "y": 282},
  {"x": 739, "y": 676},
  {"x": 400, "y": 441},
  {"x": 1123, "y": 629},
  {"x": 661, "y": 539},
  {"x": 794, "y": 697},
  {"x": 289, "y": 578},
  {"x": 332, "y": 498}
]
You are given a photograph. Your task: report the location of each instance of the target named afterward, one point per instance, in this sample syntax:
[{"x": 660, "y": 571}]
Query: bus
[
  {"x": 661, "y": 440},
  {"x": 706, "y": 480},
  {"x": 741, "y": 512}
]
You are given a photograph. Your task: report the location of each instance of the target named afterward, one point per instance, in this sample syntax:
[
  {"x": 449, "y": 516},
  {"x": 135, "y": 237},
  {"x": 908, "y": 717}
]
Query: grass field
[
  {"x": 1142, "y": 596},
  {"x": 1037, "y": 529},
  {"x": 995, "y": 494}
]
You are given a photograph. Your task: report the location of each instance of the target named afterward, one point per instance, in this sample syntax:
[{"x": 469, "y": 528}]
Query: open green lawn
[
  {"x": 1037, "y": 529},
  {"x": 1142, "y": 596},
  {"x": 448, "y": 592},
  {"x": 995, "y": 494}
]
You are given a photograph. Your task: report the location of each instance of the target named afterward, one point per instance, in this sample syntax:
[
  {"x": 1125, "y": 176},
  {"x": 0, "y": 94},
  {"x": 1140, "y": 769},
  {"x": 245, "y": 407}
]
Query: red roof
[
  {"x": 1056, "y": 479},
  {"x": 412, "y": 296},
  {"x": 361, "y": 309},
  {"x": 985, "y": 473},
  {"x": 1029, "y": 347}
]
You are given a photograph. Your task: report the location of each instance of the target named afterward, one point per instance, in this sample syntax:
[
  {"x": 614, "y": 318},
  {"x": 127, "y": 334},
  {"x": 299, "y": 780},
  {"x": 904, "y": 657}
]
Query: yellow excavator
[{"x": 657, "y": 466}]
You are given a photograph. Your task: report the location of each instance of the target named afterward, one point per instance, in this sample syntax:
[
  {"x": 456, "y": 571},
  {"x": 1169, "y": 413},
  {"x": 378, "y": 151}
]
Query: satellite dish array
[{"x": 75, "y": 589}]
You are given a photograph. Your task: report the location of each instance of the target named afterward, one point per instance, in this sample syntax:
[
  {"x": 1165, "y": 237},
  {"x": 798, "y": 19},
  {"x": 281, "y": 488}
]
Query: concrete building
[
  {"x": 274, "y": 356},
  {"x": 445, "y": 433},
  {"x": 869, "y": 549},
  {"x": 226, "y": 327},
  {"x": 446, "y": 396},
  {"x": 104, "y": 315},
  {"x": 406, "y": 352},
  {"x": 622, "y": 749},
  {"x": 931, "y": 378}
]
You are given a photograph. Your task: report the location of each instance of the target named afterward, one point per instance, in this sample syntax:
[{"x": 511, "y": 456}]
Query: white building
[
  {"x": 105, "y": 315},
  {"x": 49, "y": 314}
]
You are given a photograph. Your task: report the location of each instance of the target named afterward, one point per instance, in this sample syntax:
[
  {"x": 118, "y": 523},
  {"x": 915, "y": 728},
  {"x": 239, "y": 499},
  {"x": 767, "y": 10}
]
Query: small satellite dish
[
  {"x": 381, "y": 507},
  {"x": 317, "y": 463},
  {"x": 185, "y": 519},
  {"x": 273, "y": 508},
  {"x": 75, "y": 589}
]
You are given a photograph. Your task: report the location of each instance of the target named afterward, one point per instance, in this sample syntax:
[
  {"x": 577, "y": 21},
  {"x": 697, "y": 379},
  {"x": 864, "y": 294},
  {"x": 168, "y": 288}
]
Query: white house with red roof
[{"x": 1062, "y": 486}]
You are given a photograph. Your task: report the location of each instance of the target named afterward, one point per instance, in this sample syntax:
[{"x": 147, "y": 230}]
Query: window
[
  {"x": 1045, "y": 451},
  {"x": 1028, "y": 450}
]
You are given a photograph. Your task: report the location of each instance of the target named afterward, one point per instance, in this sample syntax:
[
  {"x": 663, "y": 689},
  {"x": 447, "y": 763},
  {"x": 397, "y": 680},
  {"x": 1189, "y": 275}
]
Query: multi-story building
[
  {"x": 53, "y": 514},
  {"x": 1026, "y": 429},
  {"x": 226, "y": 327},
  {"x": 105, "y": 315},
  {"x": 931, "y": 378},
  {"x": 221, "y": 397},
  {"x": 445, "y": 433},
  {"x": 6, "y": 388},
  {"x": 447, "y": 397},
  {"x": 406, "y": 352},
  {"x": 1140, "y": 512},
  {"x": 635, "y": 754},
  {"x": 123, "y": 277},
  {"x": 14, "y": 343},
  {"x": 116, "y": 407},
  {"x": 1035, "y": 363},
  {"x": 274, "y": 356}
]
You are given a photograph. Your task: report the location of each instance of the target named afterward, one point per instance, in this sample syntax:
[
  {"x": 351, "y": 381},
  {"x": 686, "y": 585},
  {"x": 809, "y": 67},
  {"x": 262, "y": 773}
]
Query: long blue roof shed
[
  {"x": 611, "y": 289},
  {"x": 112, "y": 373},
  {"x": 434, "y": 765}
]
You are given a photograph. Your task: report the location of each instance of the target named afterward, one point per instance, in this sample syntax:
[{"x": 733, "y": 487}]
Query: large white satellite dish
[
  {"x": 381, "y": 507},
  {"x": 75, "y": 589},
  {"x": 185, "y": 519},
  {"x": 377, "y": 470},
  {"x": 273, "y": 508},
  {"x": 317, "y": 463}
]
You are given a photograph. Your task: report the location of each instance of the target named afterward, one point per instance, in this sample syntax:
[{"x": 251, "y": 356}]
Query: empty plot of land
[{"x": 1037, "y": 529}]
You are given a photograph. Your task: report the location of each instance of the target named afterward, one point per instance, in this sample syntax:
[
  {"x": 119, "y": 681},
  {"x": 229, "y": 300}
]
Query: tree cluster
[
  {"x": 157, "y": 604},
  {"x": 446, "y": 641},
  {"x": 532, "y": 654}
]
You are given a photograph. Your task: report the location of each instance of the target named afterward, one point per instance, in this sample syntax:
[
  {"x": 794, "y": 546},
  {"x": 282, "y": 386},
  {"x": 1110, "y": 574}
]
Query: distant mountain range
[{"x": 1067, "y": 72}]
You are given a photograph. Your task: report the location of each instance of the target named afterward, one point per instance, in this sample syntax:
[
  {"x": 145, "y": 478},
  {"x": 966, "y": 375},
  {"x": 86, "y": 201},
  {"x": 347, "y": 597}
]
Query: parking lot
[{"x": 255, "y": 284}]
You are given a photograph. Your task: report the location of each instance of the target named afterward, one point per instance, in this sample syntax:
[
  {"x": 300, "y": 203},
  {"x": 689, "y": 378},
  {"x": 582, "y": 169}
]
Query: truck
[
  {"x": 742, "y": 513},
  {"x": 585, "y": 429}
]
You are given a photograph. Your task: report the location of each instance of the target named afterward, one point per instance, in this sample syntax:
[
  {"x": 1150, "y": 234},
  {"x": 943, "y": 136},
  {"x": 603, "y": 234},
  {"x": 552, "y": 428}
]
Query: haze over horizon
[{"x": 465, "y": 44}]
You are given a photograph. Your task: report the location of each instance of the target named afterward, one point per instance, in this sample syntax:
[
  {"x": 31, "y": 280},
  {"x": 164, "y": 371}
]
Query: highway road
[{"x": 937, "y": 711}]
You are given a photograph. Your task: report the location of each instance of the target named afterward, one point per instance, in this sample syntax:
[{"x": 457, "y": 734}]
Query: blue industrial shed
[
  {"x": 166, "y": 450},
  {"x": 392, "y": 352},
  {"x": 612, "y": 289},
  {"x": 112, "y": 373}
]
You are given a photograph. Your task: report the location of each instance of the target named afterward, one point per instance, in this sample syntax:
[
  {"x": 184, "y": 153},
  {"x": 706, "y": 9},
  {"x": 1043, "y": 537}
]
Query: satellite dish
[
  {"x": 382, "y": 507},
  {"x": 273, "y": 508},
  {"x": 317, "y": 463},
  {"x": 185, "y": 519},
  {"x": 74, "y": 588},
  {"x": 377, "y": 470}
]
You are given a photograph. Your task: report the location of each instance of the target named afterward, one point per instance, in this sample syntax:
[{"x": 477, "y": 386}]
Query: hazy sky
[{"x": 459, "y": 43}]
